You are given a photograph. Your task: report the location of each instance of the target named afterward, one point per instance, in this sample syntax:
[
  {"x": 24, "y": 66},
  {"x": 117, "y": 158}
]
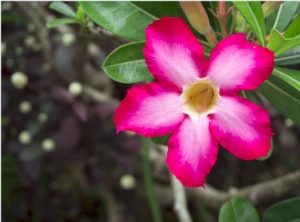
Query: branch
[
  {"x": 257, "y": 193},
  {"x": 180, "y": 205}
]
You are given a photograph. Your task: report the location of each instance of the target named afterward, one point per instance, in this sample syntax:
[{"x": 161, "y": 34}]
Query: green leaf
[
  {"x": 282, "y": 90},
  {"x": 290, "y": 57},
  {"x": 161, "y": 140},
  {"x": 62, "y": 8},
  {"x": 62, "y": 21},
  {"x": 285, "y": 211},
  {"x": 161, "y": 9},
  {"x": 238, "y": 210},
  {"x": 252, "y": 12},
  {"x": 124, "y": 19},
  {"x": 126, "y": 64},
  {"x": 285, "y": 14},
  {"x": 279, "y": 44},
  {"x": 293, "y": 30}
]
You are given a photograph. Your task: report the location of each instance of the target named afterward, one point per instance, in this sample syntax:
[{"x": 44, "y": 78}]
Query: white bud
[
  {"x": 127, "y": 182},
  {"x": 48, "y": 144},
  {"x": 289, "y": 123},
  {"x": 25, "y": 107},
  {"x": 30, "y": 41},
  {"x": 3, "y": 48},
  {"x": 19, "y": 50},
  {"x": 19, "y": 80},
  {"x": 75, "y": 88},
  {"x": 42, "y": 117},
  {"x": 25, "y": 137},
  {"x": 68, "y": 39}
]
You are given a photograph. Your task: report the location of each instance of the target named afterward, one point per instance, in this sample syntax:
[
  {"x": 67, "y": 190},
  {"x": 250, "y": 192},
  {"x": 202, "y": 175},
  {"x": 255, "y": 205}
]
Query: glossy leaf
[
  {"x": 279, "y": 44},
  {"x": 124, "y": 19},
  {"x": 285, "y": 15},
  {"x": 289, "y": 57},
  {"x": 62, "y": 8},
  {"x": 161, "y": 9},
  {"x": 238, "y": 210},
  {"x": 252, "y": 12},
  {"x": 285, "y": 211},
  {"x": 62, "y": 21},
  {"x": 282, "y": 90},
  {"x": 126, "y": 64}
]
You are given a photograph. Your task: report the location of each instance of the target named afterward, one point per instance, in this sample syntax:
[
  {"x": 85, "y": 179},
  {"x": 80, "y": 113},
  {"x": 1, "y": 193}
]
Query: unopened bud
[
  {"x": 42, "y": 117},
  {"x": 75, "y": 88},
  {"x": 127, "y": 182},
  {"x": 48, "y": 144},
  {"x": 289, "y": 122},
  {"x": 25, "y": 137},
  {"x": 240, "y": 24},
  {"x": 68, "y": 39},
  {"x": 19, "y": 80},
  {"x": 25, "y": 107},
  {"x": 30, "y": 41},
  {"x": 196, "y": 15}
]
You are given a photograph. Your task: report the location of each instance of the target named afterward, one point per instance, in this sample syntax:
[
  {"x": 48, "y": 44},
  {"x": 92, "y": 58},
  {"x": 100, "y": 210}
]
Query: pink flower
[{"x": 196, "y": 101}]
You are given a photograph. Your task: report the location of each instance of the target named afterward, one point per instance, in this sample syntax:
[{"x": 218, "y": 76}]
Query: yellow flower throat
[{"x": 200, "y": 96}]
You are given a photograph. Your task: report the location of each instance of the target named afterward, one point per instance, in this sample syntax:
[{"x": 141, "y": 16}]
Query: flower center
[{"x": 200, "y": 96}]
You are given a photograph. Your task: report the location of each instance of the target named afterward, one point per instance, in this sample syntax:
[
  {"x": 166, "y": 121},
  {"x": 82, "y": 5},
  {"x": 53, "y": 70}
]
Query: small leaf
[
  {"x": 293, "y": 30},
  {"x": 285, "y": 14},
  {"x": 126, "y": 64},
  {"x": 252, "y": 12},
  {"x": 238, "y": 210},
  {"x": 292, "y": 56},
  {"x": 279, "y": 44},
  {"x": 282, "y": 90},
  {"x": 285, "y": 211},
  {"x": 62, "y": 21},
  {"x": 62, "y": 8}
]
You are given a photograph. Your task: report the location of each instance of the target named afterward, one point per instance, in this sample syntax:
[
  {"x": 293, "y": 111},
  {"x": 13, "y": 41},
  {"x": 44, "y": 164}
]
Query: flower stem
[{"x": 154, "y": 205}]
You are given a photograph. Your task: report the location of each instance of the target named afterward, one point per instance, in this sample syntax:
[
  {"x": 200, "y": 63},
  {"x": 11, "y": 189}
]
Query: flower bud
[
  {"x": 19, "y": 80},
  {"x": 127, "y": 182},
  {"x": 48, "y": 144},
  {"x": 25, "y": 137},
  {"x": 75, "y": 88},
  {"x": 196, "y": 15},
  {"x": 30, "y": 41},
  {"x": 68, "y": 39},
  {"x": 42, "y": 117},
  {"x": 25, "y": 107}
]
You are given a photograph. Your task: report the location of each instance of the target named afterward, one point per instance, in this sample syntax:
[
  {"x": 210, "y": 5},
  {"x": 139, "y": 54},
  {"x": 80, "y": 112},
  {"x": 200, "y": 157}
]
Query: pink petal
[
  {"x": 150, "y": 110},
  {"x": 192, "y": 152},
  {"x": 236, "y": 64},
  {"x": 172, "y": 53},
  {"x": 241, "y": 127}
]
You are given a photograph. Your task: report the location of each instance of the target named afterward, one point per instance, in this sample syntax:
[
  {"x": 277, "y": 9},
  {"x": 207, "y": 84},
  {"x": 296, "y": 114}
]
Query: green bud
[{"x": 48, "y": 144}]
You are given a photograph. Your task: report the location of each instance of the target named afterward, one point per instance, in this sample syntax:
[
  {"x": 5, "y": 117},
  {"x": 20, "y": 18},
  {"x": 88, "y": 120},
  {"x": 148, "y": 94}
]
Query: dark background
[{"x": 80, "y": 179}]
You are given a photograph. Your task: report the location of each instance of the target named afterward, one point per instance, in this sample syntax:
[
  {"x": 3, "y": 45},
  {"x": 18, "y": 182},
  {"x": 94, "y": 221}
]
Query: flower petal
[
  {"x": 241, "y": 127},
  {"x": 150, "y": 110},
  {"x": 172, "y": 53},
  {"x": 192, "y": 152},
  {"x": 236, "y": 64}
]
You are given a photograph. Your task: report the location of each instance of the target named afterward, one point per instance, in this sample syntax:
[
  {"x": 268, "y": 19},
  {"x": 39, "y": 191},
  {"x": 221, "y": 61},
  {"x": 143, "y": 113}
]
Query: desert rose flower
[{"x": 197, "y": 101}]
